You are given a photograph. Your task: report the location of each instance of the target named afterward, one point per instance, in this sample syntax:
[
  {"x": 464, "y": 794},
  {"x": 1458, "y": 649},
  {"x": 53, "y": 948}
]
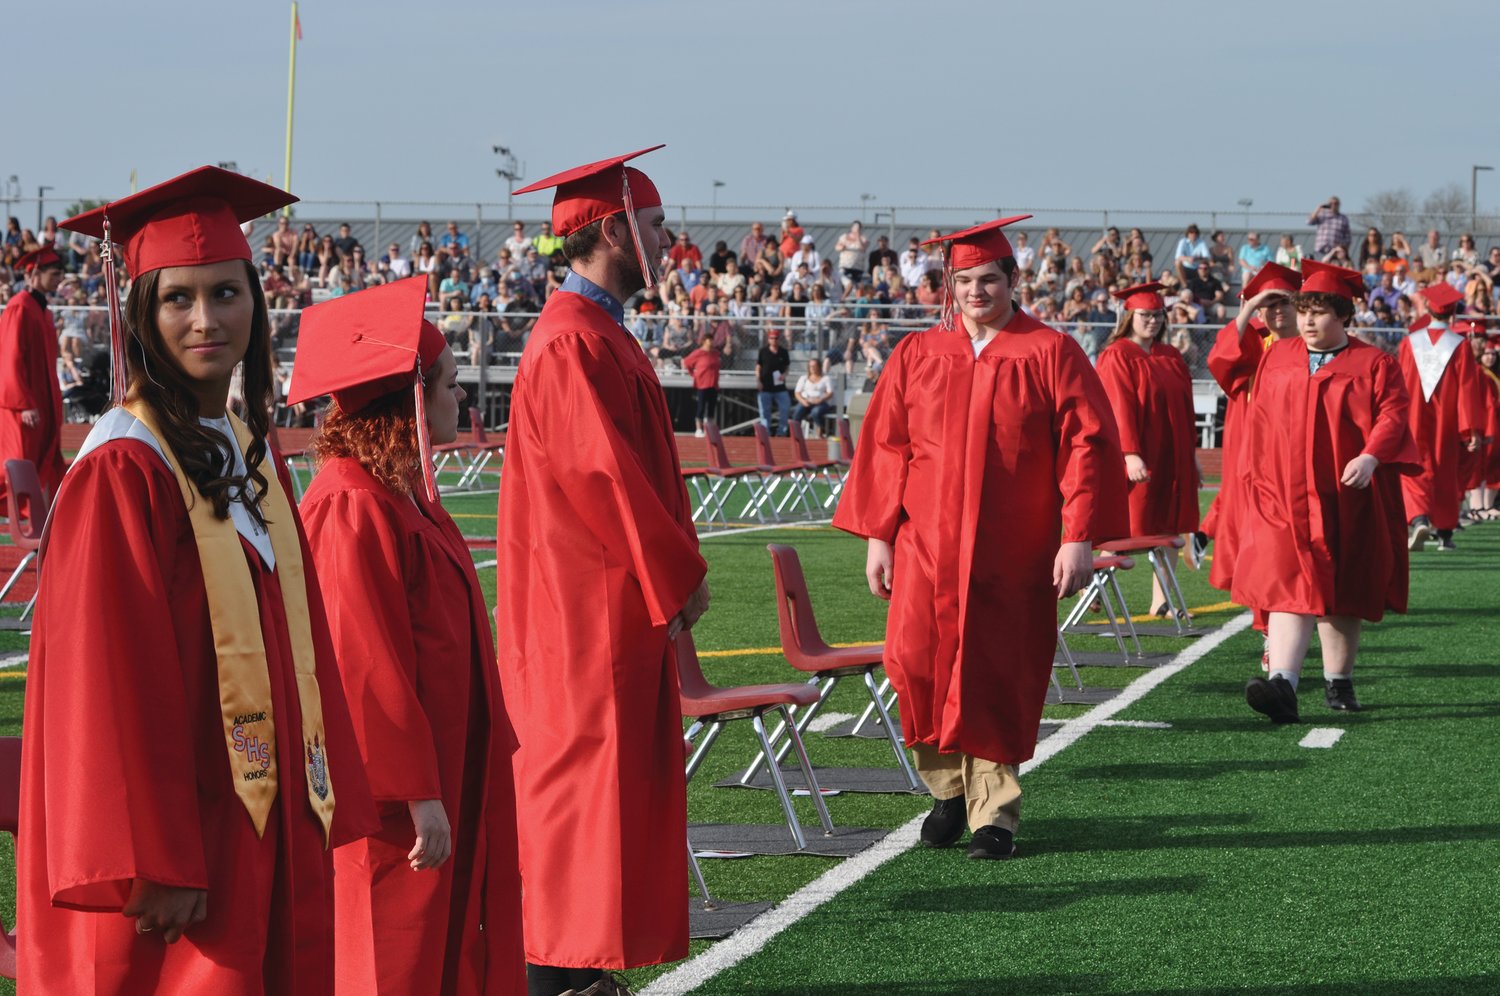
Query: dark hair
[
  {"x": 1341, "y": 306},
  {"x": 579, "y": 246},
  {"x": 160, "y": 383},
  {"x": 1124, "y": 326}
]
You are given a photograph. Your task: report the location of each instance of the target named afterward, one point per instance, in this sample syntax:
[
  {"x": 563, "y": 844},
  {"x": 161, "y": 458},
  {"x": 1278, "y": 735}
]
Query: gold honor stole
[{"x": 233, "y": 609}]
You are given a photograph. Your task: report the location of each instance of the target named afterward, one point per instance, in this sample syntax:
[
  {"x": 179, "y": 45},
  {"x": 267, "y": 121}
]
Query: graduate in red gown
[
  {"x": 188, "y": 762},
  {"x": 1267, "y": 315},
  {"x": 1151, "y": 392},
  {"x": 987, "y": 467},
  {"x": 1489, "y": 369},
  {"x": 1447, "y": 415},
  {"x": 1472, "y": 461},
  {"x": 1323, "y": 532},
  {"x": 412, "y": 633},
  {"x": 31, "y": 407},
  {"x": 598, "y": 572}
]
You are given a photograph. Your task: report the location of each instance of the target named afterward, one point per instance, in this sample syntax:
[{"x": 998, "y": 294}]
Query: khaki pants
[{"x": 991, "y": 791}]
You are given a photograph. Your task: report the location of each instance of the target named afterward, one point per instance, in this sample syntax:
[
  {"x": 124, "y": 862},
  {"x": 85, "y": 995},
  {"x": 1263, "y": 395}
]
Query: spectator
[
  {"x": 1182, "y": 341},
  {"x": 1333, "y": 228},
  {"x": 1339, "y": 256},
  {"x": 345, "y": 242},
  {"x": 518, "y": 241},
  {"x": 1371, "y": 248},
  {"x": 426, "y": 264},
  {"x": 484, "y": 329},
  {"x": 1253, "y": 255},
  {"x": 285, "y": 240},
  {"x": 545, "y": 243},
  {"x": 1052, "y": 244},
  {"x": 452, "y": 241},
  {"x": 1385, "y": 292},
  {"x": 519, "y": 317},
  {"x": 328, "y": 259},
  {"x": 1076, "y": 306},
  {"x": 851, "y": 247},
  {"x": 731, "y": 279},
  {"x": 1466, "y": 251},
  {"x": 739, "y": 306},
  {"x": 791, "y": 234},
  {"x": 814, "y": 394},
  {"x": 771, "y": 366},
  {"x": 806, "y": 253},
  {"x": 399, "y": 265},
  {"x": 1190, "y": 249},
  {"x": 832, "y": 283},
  {"x": 881, "y": 254},
  {"x": 1289, "y": 254},
  {"x": 929, "y": 290},
  {"x": 1109, "y": 243},
  {"x": 751, "y": 245},
  {"x": 306, "y": 256},
  {"x": 1400, "y": 246},
  {"x": 703, "y": 364},
  {"x": 488, "y": 285},
  {"x": 1433, "y": 255},
  {"x": 1492, "y": 262},
  {"x": 771, "y": 264},
  {"x": 719, "y": 258},
  {"x": 683, "y": 251},
  {"x": 1187, "y": 310},
  {"x": 914, "y": 263},
  {"x": 422, "y": 234},
  {"x": 533, "y": 270},
  {"x": 1025, "y": 255},
  {"x": 1221, "y": 256}
]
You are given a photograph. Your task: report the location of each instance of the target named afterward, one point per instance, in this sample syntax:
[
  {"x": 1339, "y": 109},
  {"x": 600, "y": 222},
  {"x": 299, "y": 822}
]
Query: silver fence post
[
  {"x": 378, "y": 242},
  {"x": 485, "y": 328},
  {"x": 477, "y": 256}
]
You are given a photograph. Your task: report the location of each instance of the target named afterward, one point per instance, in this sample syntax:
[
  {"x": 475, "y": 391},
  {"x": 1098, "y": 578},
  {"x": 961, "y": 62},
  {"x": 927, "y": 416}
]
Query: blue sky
[{"x": 1046, "y": 104}]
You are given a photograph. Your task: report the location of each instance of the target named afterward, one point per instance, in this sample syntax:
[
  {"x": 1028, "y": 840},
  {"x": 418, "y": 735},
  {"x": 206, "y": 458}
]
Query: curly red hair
[{"x": 382, "y": 436}]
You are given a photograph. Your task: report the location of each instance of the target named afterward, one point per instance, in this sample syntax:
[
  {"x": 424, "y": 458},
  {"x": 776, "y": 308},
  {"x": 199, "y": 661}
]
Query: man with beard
[{"x": 598, "y": 573}]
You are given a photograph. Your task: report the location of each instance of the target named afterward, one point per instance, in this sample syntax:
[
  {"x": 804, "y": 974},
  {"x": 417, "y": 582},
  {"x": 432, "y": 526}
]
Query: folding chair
[
  {"x": 1160, "y": 551},
  {"x": 713, "y": 707},
  {"x": 805, "y": 650},
  {"x": 843, "y": 463},
  {"x": 725, "y": 476},
  {"x": 1105, "y": 589},
  {"x": 826, "y": 471},
  {"x": 797, "y": 479},
  {"x": 10, "y": 816},
  {"x": 25, "y": 531},
  {"x": 481, "y": 450}
]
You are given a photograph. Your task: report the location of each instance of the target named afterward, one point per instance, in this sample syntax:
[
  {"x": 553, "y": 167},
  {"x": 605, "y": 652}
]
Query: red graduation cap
[
  {"x": 978, "y": 245},
  {"x": 190, "y": 220},
  {"x": 1320, "y": 278},
  {"x": 1441, "y": 297},
  {"x": 1272, "y": 277},
  {"x": 363, "y": 346},
  {"x": 586, "y": 194},
  {"x": 1142, "y": 297},
  {"x": 38, "y": 258}
]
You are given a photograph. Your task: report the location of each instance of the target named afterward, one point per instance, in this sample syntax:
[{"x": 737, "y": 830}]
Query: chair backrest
[
  {"x": 800, "y": 638},
  {"x": 846, "y": 439},
  {"x": 689, "y": 671},
  {"x": 763, "y": 454},
  {"x": 799, "y": 441},
  {"x": 10, "y": 809},
  {"x": 25, "y": 490},
  {"x": 713, "y": 441},
  {"x": 476, "y": 425}
]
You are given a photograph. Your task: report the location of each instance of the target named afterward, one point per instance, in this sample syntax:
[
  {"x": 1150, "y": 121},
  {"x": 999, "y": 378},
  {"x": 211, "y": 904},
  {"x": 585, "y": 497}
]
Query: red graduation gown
[
  {"x": 414, "y": 647},
  {"x": 1439, "y": 425},
  {"x": 28, "y": 382},
  {"x": 1491, "y": 382},
  {"x": 1309, "y": 544},
  {"x": 974, "y": 468},
  {"x": 1152, "y": 398},
  {"x": 124, "y": 767},
  {"x": 1233, "y": 359},
  {"x": 597, "y": 551}
]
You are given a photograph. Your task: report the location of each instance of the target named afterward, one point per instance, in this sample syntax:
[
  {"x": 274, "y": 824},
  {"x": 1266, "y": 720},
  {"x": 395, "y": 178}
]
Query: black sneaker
[
  {"x": 946, "y": 823},
  {"x": 1421, "y": 532},
  {"x": 1339, "y": 694},
  {"x": 1445, "y": 540},
  {"x": 1275, "y": 697},
  {"x": 994, "y": 843}
]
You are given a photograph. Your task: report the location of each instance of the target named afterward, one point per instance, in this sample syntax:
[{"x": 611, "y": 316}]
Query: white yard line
[
  {"x": 1136, "y": 724},
  {"x": 759, "y": 932},
  {"x": 1321, "y": 737},
  {"x": 14, "y": 660},
  {"x": 828, "y": 720},
  {"x": 798, "y": 524}
]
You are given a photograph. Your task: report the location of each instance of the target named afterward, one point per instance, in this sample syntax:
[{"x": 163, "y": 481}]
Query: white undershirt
[
  {"x": 979, "y": 344},
  {"x": 239, "y": 512}
]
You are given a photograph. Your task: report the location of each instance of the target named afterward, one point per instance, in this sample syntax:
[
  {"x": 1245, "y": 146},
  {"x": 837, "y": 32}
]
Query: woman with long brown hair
[
  {"x": 1151, "y": 392},
  {"x": 431, "y": 903},
  {"x": 188, "y": 757}
]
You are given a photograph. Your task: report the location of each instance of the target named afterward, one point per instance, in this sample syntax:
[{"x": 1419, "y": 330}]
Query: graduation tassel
[
  {"x": 116, "y": 320},
  {"x": 950, "y": 306},
  {"x": 648, "y": 267},
  {"x": 424, "y": 442}
]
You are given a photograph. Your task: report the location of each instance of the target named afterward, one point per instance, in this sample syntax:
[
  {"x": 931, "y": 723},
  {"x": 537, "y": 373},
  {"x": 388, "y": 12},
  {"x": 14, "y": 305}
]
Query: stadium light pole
[
  {"x": 715, "y": 210},
  {"x": 1474, "y": 195},
  {"x": 1245, "y": 203},
  {"x": 510, "y": 171},
  {"x": 41, "y": 192},
  {"x": 864, "y": 202}
]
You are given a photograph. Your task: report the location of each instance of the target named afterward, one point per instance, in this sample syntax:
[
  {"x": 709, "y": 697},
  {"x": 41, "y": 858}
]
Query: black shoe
[
  {"x": 992, "y": 843},
  {"x": 1339, "y": 694},
  {"x": 1275, "y": 697},
  {"x": 1445, "y": 540},
  {"x": 946, "y": 823},
  {"x": 1421, "y": 532}
]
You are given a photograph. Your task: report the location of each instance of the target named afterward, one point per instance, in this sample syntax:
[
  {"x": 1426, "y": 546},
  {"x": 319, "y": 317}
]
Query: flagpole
[{"x": 291, "y": 97}]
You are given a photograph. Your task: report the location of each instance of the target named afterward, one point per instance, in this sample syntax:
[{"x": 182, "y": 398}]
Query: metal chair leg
[
  {"x": 702, "y": 749},
  {"x": 806, "y": 717},
  {"x": 1114, "y": 582},
  {"x": 16, "y": 574},
  {"x": 864, "y": 717},
  {"x": 779, "y": 783},
  {"x": 897, "y": 747},
  {"x": 697, "y": 873},
  {"x": 807, "y": 773},
  {"x": 1067, "y": 653}
]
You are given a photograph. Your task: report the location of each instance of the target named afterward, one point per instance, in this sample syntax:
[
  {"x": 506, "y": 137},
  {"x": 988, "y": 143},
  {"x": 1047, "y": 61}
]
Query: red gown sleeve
[
  {"x": 15, "y": 376},
  {"x": 600, "y": 476},
  {"x": 1390, "y": 440},
  {"x": 871, "y": 504},
  {"x": 1090, "y": 467},
  {"x": 121, "y": 794},
  {"x": 1471, "y": 405},
  {"x": 1120, "y": 386},
  {"x": 1234, "y": 357},
  {"x": 358, "y": 551}
]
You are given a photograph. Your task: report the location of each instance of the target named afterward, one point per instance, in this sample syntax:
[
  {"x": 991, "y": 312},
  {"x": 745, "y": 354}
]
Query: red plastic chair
[
  {"x": 10, "y": 810},
  {"x": 713, "y": 707},
  {"x": 27, "y": 508},
  {"x": 1161, "y": 551},
  {"x": 480, "y": 449},
  {"x": 826, "y": 471},
  {"x": 805, "y": 649},
  {"x": 1103, "y": 588},
  {"x": 795, "y": 476},
  {"x": 724, "y": 476}
]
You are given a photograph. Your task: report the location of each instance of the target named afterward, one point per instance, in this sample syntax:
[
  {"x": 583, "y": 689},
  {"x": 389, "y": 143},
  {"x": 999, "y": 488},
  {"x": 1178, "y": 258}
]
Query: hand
[
  {"x": 1073, "y": 568},
  {"x": 1357, "y": 472},
  {"x": 434, "y": 839},
  {"x": 697, "y": 604},
  {"x": 31, "y": 418},
  {"x": 879, "y": 561},
  {"x": 1135, "y": 468},
  {"x": 165, "y": 910},
  {"x": 1472, "y": 445}
]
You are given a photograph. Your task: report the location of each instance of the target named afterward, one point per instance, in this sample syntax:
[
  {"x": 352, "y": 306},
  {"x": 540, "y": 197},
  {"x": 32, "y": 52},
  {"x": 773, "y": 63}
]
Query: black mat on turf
[
  {"x": 721, "y": 921},
  {"x": 775, "y": 838},
  {"x": 1141, "y": 629},
  {"x": 1078, "y": 696},
  {"x": 1099, "y": 658},
  {"x": 874, "y": 731},
  {"x": 840, "y": 779}
]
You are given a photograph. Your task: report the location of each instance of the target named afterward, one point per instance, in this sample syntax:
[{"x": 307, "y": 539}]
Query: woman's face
[
  {"x": 204, "y": 315},
  {"x": 443, "y": 398},
  {"x": 1490, "y": 357},
  {"x": 1146, "y": 325}
]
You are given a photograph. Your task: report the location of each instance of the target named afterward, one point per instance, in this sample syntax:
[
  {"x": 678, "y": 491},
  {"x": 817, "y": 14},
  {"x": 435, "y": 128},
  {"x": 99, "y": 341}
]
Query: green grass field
[{"x": 1212, "y": 856}]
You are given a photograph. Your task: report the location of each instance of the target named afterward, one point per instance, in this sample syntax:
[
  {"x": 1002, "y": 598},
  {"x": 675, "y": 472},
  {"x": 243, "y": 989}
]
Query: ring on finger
[{"x": 141, "y": 928}]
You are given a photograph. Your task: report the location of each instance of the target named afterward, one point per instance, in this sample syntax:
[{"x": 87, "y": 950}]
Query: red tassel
[
  {"x": 949, "y": 319},
  {"x": 648, "y": 266},
  {"x": 424, "y": 443},
  {"x": 116, "y": 320}
]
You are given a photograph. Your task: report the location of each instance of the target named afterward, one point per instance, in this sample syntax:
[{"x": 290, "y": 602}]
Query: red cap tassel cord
[
  {"x": 424, "y": 443},
  {"x": 116, "y": 320},
  {"x": 648, "y": 266},
  {"x": 950, "y": 305}
]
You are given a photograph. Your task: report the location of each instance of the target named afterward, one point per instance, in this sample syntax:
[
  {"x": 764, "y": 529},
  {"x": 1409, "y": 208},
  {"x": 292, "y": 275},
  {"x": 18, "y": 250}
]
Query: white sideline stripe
[
  {"x": 14, "y": 660},
  {"x": 1323, "y": 736},
  {"x": 828, "y": 720},
  {"x": 796, "y": 524},
  {"x": 1135, "y": 724},
  {"x": 758, "y": 932}
]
